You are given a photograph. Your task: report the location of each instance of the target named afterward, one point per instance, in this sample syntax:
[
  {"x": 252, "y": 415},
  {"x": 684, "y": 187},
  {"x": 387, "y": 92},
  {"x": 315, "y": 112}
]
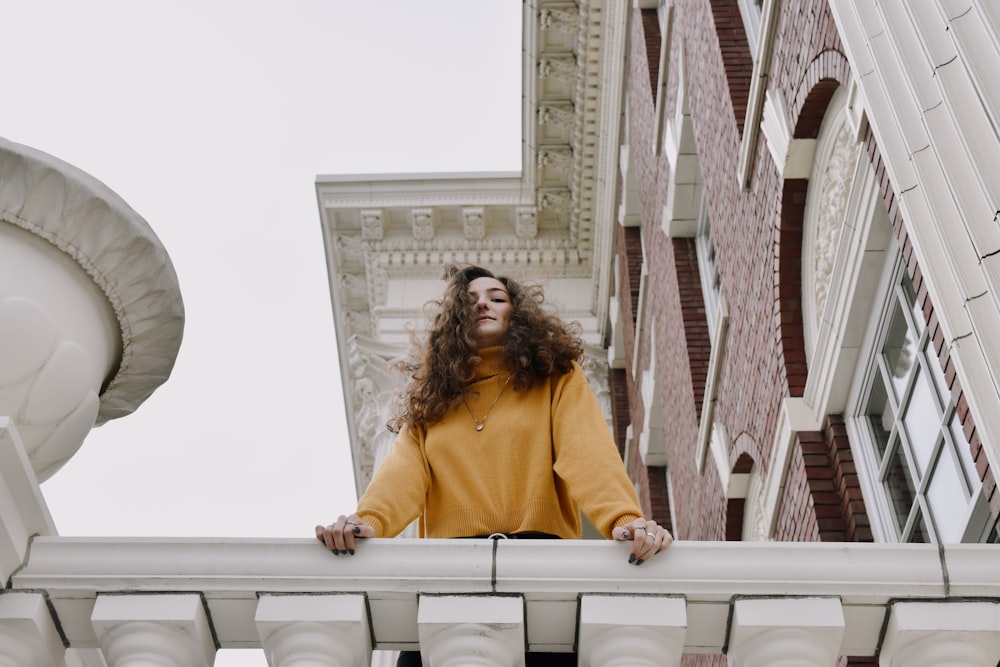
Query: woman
[{"x": 499, "y": 432}]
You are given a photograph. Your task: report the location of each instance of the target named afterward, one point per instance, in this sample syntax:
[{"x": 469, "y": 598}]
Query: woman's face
[{"x": 493, "y": 311}]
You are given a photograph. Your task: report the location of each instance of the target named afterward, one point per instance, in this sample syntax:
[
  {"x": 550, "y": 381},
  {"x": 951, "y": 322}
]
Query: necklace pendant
[{"x": 480, "y": 426}]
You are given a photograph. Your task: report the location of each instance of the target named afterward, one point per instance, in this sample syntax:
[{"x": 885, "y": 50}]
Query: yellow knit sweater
[{"x": 544, "y": 453}]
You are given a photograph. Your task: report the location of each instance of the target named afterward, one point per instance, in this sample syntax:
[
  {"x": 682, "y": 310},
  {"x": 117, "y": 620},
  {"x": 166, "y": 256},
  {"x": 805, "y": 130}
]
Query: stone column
[
  {"x": 27, "y": 634},
  {"x": 166, "y": 630},
  {"x": 454, "y": 628},
  {"x": 786, "y": 632},
  {"x": 929, "y": 634},
  {"x": 314, "y": 630},
  {"x": 631, "y": 631}
]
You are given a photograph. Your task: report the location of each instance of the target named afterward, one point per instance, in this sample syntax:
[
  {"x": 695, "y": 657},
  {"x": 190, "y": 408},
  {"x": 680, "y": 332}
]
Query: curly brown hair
[{"x": 538, "y": 344}]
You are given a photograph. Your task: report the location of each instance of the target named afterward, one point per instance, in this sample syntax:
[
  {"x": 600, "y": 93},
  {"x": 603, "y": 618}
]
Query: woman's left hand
[{"x": 648, "y": 537}]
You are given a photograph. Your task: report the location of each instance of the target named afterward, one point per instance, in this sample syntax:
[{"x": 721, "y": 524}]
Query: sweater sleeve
[
  {"x": 397, "y": 493},
  {"x": 586, "y": 457}
]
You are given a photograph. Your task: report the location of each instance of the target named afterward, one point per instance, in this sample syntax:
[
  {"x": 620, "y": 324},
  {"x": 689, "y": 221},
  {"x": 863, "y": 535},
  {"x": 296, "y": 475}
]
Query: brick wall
[{"x": 758, "y": 247}]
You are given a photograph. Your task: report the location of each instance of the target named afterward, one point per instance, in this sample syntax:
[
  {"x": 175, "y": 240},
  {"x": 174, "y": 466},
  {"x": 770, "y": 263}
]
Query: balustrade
[{"x": 761, "y": 603}]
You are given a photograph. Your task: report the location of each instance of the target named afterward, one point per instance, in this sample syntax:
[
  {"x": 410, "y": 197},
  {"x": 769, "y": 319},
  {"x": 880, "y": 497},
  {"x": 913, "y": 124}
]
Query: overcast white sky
[{"x": 212, "y": 118}]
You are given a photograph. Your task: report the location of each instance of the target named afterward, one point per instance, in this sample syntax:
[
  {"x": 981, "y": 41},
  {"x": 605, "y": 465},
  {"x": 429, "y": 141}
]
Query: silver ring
[{"x": 649, "y": 534}]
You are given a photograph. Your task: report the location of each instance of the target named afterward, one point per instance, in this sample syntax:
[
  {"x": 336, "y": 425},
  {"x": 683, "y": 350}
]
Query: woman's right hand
[{"x": 339, "y": 537}]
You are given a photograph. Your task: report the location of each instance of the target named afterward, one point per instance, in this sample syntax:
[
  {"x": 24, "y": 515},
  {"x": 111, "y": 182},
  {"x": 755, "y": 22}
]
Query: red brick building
[{"x": 799, "y": 207}]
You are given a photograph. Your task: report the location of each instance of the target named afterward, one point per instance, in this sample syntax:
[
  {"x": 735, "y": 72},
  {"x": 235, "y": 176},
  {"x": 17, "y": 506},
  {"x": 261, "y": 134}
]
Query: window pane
[
  {"x": 899, "y": 350},
  {"x": 899, "y": 487},
  {"x": 923, "y": 424},
  {"x": 879, "y": 412},
  {"x": 948, "y": 498},
  {"x": 918, "y": 533}
]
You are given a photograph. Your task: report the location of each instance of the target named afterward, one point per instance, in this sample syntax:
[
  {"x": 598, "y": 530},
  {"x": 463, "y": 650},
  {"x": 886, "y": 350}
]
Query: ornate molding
[{"x": 835, "y": 189}]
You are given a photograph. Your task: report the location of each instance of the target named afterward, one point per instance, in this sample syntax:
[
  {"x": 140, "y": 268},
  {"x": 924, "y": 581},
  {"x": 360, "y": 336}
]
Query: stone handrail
[{"x": 551, "y": 577}]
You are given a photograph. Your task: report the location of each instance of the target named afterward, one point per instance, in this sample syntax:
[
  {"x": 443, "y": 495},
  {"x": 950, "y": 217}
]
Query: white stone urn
[{"x": 91, "y": 315}]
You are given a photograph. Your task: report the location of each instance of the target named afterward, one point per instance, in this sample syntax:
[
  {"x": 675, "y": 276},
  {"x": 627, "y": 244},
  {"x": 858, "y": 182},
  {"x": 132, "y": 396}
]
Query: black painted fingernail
[
  {"x": 357, "y": 530},
  {"x": 625, "y": 535},
  {"x": 640, "y": 562},
  {"x": 631, "y": 558},
  {"x": 335, "y": 552},
  {"x": 350, "y": 551}
]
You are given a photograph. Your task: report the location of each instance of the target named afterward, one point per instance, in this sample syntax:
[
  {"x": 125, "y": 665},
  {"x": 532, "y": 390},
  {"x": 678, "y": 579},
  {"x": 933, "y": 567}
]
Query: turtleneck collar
[{"x": 493, "y": 362}]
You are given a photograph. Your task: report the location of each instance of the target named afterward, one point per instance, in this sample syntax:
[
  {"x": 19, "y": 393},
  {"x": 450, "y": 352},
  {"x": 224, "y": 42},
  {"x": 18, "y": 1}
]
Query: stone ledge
[{"x": 549, "y": 575}]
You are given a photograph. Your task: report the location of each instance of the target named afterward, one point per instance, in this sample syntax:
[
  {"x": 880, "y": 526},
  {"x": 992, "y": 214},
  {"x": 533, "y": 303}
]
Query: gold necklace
[{"x": 481, "y": 423}]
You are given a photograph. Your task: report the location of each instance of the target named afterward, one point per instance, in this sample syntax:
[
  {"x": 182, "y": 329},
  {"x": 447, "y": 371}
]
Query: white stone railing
[{"x": 761, "y": 603}]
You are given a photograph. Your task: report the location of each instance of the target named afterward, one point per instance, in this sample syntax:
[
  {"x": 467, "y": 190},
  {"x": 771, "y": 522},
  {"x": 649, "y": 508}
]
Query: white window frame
[
  {"x": 872, "y": 466},
  {"x": 708, "y": 267}
]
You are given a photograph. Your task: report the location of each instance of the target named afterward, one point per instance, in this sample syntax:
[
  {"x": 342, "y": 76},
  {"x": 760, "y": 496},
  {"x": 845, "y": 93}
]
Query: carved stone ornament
[
  {"x": 474, "y": 223},
  {"x": 423, "y": 223},
  {"x": 561, "y": 68},
  {"x": 350, "y": 246},
  {"x": 353, "y": 286},
  {"x": 563, "y": 18},
  {"x": 371, "y": 225},
  {"x": 834, "y": 193},
  {"x": 558, "y": 115},
  {"x": 555, "y": 157},
  {"x": 527, "y": 223},
  {"x": 359, "y": 322},
  {"x": 556, "y": 200}
]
